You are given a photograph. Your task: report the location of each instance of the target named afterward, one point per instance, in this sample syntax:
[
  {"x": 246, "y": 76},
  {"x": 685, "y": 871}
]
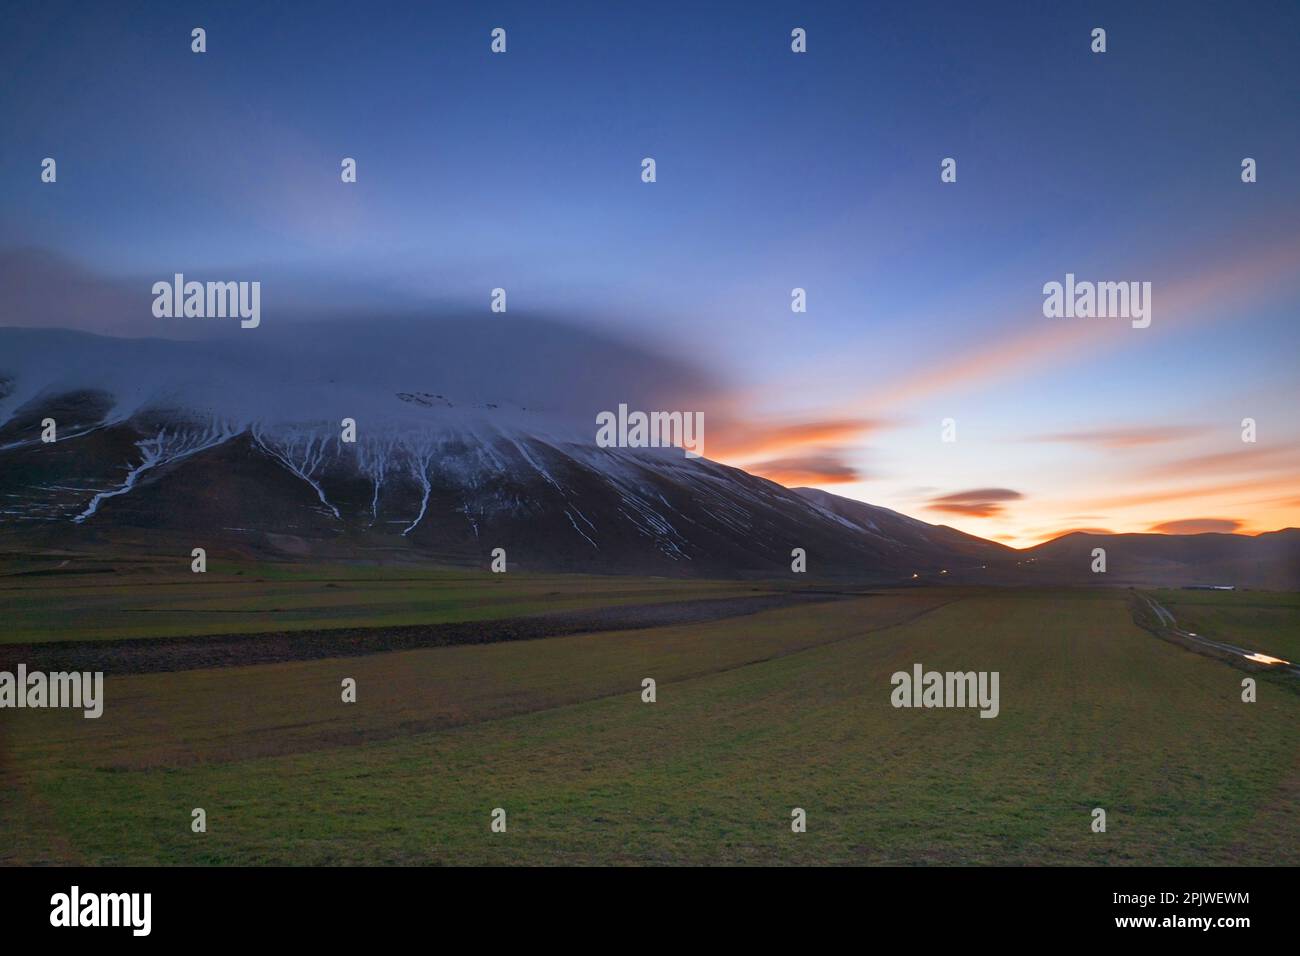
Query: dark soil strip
[{"x": 154, "y": 655}]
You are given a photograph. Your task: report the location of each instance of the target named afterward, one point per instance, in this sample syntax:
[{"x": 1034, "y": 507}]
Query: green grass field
[
  {"x": 149, "y": 601},
  {"x": 755, "y": 715}
]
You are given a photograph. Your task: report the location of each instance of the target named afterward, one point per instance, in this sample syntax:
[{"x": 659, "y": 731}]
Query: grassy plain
[
  {"x": 147, "y": 600},
  {"x": 755, "y": 715}
]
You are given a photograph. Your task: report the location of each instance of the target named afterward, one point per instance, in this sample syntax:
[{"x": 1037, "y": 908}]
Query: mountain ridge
[{"x": 186, "y": 443}]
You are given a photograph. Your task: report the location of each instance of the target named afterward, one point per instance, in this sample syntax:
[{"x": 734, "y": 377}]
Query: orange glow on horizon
[{"x": 1176, "y": 475}]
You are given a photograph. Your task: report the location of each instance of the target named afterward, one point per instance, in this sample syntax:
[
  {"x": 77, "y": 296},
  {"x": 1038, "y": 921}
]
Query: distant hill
[{"x": 1270, "y": 560}]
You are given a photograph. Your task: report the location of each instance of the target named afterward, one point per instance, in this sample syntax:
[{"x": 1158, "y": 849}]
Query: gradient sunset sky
[{"x": 775, "y": 170}]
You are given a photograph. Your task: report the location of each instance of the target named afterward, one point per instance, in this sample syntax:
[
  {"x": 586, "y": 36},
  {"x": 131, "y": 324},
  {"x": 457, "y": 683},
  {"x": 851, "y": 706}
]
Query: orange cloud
[
  {"x": 1236, "y": 489},
  {"x": 1197, "y": 526},
  {"x": 1242, "y": 458},
  {"x": 742, "y": 439},
  {"x": 1125, "y": 437},
  {"x": 976, "y": 503},
  {"x": 1038, "y": 341},
  {"x": 818, "y": 469}
]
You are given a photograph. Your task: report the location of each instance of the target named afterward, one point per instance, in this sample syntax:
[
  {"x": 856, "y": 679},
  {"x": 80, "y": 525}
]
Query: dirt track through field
[{"x": 157, "y": 655}]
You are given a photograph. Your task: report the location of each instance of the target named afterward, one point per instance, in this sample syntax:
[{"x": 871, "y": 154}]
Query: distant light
[{"x": 1265, "y": 659}]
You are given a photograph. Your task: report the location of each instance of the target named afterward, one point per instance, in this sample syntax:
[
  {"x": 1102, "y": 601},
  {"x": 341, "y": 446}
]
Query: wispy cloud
[
  {"x": 1197, "y": 526},
  {"x": 1242, "y": 459},
  {"x": 1201, "y": 296},
  {"x": 975, "y": 503},
  {"x": 1125, "y": 437},
  {"x": 743, "y": 439},
  {"x": 1236, "y": 490},
  {"x": 826, "y": 468}
]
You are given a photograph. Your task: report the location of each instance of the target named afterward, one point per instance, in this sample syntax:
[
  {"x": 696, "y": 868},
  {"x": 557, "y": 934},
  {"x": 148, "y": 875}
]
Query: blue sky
[{"x": 775, "y": 170}]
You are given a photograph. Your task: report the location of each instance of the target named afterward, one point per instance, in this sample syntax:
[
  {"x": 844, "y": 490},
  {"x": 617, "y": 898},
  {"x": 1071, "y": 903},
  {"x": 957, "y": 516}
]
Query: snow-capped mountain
[
  {"x": 237, "y": 445},
  {"x": 225, "y": 446}
]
